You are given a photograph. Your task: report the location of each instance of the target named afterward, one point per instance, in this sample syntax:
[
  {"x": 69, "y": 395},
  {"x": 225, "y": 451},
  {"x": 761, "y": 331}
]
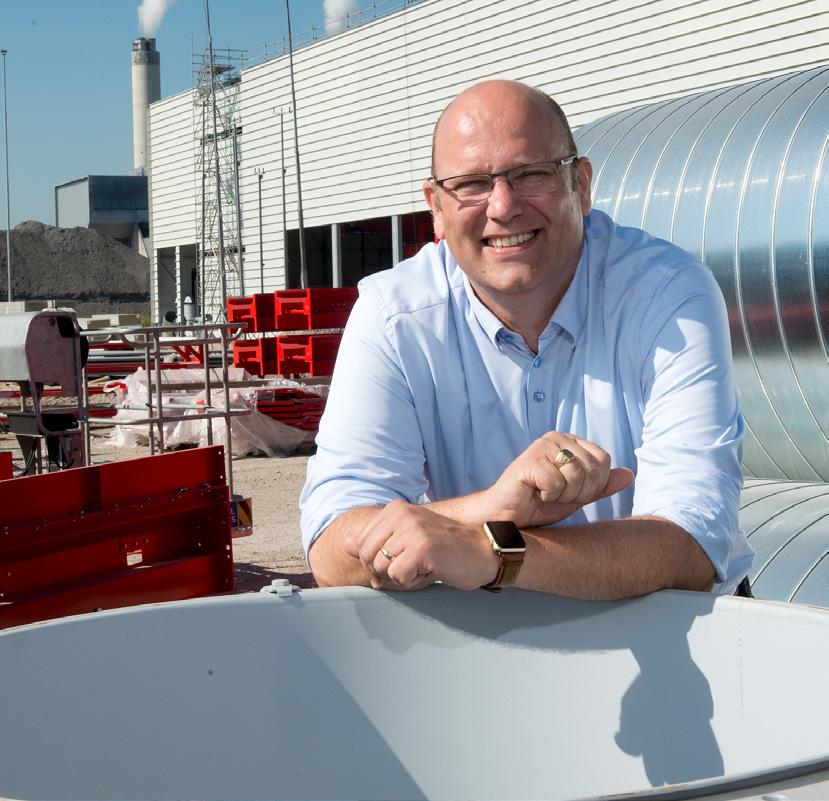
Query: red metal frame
[
  {"x": 308, "y": 309},
  {"x": 257, "y": 356},
  {"x": 193, "y": 354},
  {"x": 291, "y": 406},
  {"x": 309, "y": 354},
  {"x": 255, "y": 310},
  {"x": 112, "y": 535}
]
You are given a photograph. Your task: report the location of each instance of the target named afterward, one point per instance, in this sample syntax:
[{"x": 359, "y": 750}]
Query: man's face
[{"x": 509, "y": 246}]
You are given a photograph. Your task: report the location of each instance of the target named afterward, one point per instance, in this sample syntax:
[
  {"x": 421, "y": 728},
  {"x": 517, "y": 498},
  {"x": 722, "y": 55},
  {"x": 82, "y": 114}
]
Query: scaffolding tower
[{"x": 218, "y": 130}]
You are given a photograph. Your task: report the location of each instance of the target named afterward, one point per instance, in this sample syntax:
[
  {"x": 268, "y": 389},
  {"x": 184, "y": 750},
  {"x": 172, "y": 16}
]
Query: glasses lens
[
  {"x": 468, "y": 187},
  {"x": 533, "y": 180}
]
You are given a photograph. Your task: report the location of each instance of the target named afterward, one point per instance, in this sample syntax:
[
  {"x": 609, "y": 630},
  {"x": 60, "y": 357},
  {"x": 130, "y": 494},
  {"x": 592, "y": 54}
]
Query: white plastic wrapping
[{"x": 251, "y": 434}]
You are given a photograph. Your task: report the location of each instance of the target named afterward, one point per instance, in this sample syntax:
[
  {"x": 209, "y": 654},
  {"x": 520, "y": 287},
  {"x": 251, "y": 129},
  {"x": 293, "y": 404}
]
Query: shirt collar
[
  {"x": 568, "y": 317},
  {"x": 491, "y": 325},
  {"x": 571, "y": 312}
]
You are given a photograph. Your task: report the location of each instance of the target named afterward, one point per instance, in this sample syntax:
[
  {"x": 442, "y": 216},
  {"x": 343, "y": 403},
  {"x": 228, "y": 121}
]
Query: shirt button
[
  {"x": 537, "y": 362},
  {"x": 508, "y": 337},
  {"x": 538, "y": 397}
]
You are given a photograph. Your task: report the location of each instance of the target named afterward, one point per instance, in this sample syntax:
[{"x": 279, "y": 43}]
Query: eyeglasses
[{"x": 527, "y": 181}]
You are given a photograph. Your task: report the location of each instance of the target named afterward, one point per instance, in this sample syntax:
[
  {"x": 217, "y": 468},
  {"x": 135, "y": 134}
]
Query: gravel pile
[{"x": 79, "y": 267}]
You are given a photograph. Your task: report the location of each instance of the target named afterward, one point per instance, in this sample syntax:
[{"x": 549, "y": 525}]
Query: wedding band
[
  {"x": 564, "y": 457},
  {"x": 385, "y": 553}
]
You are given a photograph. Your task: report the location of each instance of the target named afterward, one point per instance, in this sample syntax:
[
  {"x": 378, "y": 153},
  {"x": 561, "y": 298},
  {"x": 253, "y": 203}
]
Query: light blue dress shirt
[{"x": 432, "y": 397}]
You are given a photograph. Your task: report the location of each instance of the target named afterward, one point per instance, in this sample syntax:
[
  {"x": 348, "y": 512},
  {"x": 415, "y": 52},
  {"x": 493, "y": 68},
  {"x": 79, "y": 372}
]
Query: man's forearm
[
  {"x": 331, "y": 564},
  {"x": 614, "y": 559}
]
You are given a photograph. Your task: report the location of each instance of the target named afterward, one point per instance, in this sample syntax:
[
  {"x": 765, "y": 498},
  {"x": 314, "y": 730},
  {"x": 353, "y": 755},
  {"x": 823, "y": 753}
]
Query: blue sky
[{"x": 69, "y": 81}]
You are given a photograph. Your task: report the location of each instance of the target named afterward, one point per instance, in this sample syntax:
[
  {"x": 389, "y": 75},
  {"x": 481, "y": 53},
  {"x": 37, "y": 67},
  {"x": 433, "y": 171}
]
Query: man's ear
[
  {"x": 432, "y": 198},
  {"x": 584, "y": 178}
]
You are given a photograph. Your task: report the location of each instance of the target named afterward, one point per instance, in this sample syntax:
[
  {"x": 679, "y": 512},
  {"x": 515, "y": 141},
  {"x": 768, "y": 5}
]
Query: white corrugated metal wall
[{"x": 367, "y": 98}]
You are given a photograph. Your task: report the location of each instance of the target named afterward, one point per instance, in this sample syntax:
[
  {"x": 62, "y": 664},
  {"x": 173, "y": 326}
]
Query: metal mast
[
  {"x": 303, "y": 264},
  {"x": 8, "y": 194},
  {"x": 217, "y": 78}
]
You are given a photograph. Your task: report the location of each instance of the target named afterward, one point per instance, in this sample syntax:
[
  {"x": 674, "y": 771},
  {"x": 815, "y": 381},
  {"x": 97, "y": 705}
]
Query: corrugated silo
[
  {"x": 739, "y": 177},
  {"x": 146, "y": 89}
]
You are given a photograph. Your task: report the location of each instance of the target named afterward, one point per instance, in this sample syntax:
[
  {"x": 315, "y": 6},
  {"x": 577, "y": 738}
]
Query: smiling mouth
[{"x": 509, "y": 241}]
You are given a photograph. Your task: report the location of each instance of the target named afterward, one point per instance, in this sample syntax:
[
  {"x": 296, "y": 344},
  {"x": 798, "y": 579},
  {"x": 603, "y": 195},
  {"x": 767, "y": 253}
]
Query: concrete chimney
[{"x": 146, "y": 89}]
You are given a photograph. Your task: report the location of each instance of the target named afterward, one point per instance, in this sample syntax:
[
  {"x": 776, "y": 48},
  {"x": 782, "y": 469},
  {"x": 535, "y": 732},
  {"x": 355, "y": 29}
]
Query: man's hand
[
  {"x": 535, "y": 491},
  {"x": 425, "y": 547}
]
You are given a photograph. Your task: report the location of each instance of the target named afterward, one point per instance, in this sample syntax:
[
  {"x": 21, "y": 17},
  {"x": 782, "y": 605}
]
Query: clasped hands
[{"x": 410, "y": 546}]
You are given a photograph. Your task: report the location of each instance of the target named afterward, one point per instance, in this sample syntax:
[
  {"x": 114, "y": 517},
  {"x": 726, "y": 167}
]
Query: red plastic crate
[
  {"x": 312, "y": 354},
  {"x": 307, "y": 309},
  {"x": 257, "y": 356},
  {"x": 257, "y": 311}
]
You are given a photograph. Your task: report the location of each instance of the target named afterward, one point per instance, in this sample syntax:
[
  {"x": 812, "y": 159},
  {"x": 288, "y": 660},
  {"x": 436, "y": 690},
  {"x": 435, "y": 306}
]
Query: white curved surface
[{"x": 438, "y": 694}]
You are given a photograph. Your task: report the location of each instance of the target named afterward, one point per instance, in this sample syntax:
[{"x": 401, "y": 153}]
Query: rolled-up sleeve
[
  {"x": 689, "y": 462},
  {"x": 369, "y": 446}
]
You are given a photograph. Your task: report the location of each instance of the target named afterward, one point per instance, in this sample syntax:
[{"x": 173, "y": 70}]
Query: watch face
[{"x": 506, "y": 535}]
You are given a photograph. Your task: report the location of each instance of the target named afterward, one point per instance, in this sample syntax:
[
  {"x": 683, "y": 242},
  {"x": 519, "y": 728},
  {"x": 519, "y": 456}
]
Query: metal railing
[{"x": 151, "y": 340}]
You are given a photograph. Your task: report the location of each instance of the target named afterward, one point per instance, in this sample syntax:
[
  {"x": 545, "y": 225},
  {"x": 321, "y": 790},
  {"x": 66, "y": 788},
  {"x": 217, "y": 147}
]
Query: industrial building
[
  {"x": 117, "y": 205},
  {"x": 366, "y": 101}
]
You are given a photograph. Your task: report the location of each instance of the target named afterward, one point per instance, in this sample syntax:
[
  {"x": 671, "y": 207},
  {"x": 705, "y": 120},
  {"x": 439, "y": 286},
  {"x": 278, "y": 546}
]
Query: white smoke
[
  {"x": 336, "y": 12},
  {"x": 150, "y": 14}
]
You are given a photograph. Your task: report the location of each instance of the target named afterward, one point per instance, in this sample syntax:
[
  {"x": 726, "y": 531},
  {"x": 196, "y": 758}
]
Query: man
[{"x": 524, "y": 370}]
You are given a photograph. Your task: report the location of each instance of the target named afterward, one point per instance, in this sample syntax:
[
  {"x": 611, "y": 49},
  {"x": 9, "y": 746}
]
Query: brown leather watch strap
[{"x": 507, "y": 571}]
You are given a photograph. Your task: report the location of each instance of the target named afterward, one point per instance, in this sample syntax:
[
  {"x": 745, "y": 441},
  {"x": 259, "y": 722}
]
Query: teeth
[{"x": 509, "y": 241}]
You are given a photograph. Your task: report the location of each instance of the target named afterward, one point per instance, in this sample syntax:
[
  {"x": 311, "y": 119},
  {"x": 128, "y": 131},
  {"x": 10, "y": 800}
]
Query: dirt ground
[{"x": 273, "y": 550}]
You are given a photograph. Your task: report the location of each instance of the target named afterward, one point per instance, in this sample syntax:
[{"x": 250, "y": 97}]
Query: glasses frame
[{"x": 491, "y": 176}]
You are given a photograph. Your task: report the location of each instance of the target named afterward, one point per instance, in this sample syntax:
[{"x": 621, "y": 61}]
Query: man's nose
[{"x": 503, "y": 201}]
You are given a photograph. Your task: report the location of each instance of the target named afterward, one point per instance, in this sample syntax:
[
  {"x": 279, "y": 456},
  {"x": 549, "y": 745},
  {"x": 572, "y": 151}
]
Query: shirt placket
[{"x": 540, "y": 392}]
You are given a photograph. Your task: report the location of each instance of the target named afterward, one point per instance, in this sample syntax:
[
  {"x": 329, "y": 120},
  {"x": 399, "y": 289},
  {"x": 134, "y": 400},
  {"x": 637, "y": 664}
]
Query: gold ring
[
  {"x": 385, "y": 553},
  {"x": 564, "y": 457}
]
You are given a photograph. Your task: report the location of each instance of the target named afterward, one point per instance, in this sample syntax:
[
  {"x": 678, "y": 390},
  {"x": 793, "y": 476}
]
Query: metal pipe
[
  {"x": 158, "y": 389},
  {"x": 228, "y": 441},
  {"x": 259, "y": 173},
  {"x": 239, "y": 256},
  {"x": 207, "y": 399},
  {"x": 8, "y": 194},
  {"x": 284, "y": 211},
  {"x": 303, "y": 266},
  {"x": 149, "y": 394}
]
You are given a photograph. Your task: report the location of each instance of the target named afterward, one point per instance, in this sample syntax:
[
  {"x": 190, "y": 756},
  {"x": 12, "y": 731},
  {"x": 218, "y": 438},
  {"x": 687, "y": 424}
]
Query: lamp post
[
  {"x": 259, "y": 173},
  {"x": 303, "y": 267},
  {"x": 8, "y": 202}
]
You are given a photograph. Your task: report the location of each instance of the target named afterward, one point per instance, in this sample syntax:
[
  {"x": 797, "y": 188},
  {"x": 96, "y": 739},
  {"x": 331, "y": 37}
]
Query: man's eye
[
  {"x": 469, "y": 186},
  {"x": 536, "y": 175}
]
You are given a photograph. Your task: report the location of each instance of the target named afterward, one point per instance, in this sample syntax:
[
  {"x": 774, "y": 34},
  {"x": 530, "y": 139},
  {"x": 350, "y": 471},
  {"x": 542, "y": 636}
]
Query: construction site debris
[{"x": 252, "y": 434}]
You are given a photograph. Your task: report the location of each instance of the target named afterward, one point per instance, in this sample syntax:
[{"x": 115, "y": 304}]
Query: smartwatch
[{"x": 508, "y": 543}]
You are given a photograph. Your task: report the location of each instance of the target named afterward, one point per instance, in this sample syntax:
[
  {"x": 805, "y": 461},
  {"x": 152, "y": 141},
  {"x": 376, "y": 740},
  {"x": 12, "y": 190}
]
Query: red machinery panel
[
  {"x": 310, "y": 354},
  {"x": 257, "y": 311},
  {"x": 308, "y": 309},
  {"x": 117, "y": 534},
  {"x": 6, "y": 466},
  {"x": 257, "y": 356}
]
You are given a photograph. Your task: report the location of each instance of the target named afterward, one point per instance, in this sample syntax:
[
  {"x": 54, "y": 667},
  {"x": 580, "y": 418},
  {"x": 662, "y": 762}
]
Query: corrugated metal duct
[
  {"x": 787, "y": 524},
  {"x": 739, "y": 177}
]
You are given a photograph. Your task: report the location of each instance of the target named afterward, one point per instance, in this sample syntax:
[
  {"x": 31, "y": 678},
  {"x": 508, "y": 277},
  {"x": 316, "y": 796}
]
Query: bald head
[{"x": 493, "y": 99}]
